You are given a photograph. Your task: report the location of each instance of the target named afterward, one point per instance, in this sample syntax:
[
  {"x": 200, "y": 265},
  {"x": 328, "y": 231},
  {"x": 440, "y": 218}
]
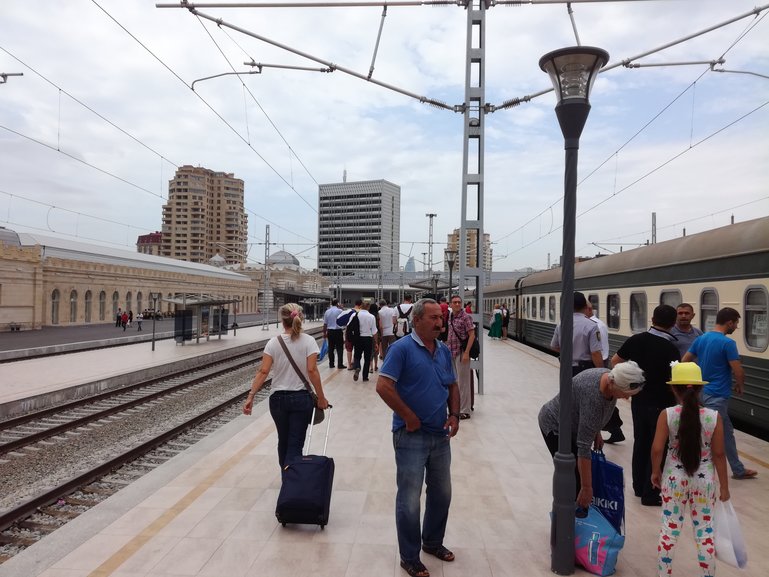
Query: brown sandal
[
  {"x": 440, "y": 552},
  {"x": 415, "y": 568}
]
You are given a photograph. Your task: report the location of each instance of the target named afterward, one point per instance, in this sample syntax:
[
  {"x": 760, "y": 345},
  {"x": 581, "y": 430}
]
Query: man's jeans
[
  {"x": 421, "y": 457},
  {"x": 291, "y": 411},
  {"x": 721, "y": 405}
]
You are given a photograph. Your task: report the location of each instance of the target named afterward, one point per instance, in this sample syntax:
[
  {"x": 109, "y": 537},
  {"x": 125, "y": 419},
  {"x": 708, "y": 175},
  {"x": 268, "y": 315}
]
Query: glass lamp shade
[
  {"x": 450, "y": 256},
  {"x": 573, "y": 70}
]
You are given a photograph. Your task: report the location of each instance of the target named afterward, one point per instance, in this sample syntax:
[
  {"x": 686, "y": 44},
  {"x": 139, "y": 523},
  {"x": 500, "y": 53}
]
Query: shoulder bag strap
[{"x": 293, "y": 363}]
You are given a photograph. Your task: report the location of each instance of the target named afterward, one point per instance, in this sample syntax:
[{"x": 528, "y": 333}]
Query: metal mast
[
  {"x": 267, "y": 304},
  {"x": 472, "y": 167},
  {"x": 431, "y": 216}
]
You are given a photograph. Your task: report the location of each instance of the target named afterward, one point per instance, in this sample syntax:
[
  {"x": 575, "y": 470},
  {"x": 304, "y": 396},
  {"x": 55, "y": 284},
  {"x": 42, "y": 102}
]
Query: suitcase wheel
[{"x": 283, "y": 524}]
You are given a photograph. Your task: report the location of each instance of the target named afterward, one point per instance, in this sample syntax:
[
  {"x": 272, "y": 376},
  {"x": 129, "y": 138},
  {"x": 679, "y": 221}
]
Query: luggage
[{"x": 305, "y": 495}]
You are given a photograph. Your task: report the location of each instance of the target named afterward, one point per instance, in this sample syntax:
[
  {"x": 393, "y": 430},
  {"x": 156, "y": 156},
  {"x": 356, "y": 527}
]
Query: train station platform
[{"x": 210, "y": 510}]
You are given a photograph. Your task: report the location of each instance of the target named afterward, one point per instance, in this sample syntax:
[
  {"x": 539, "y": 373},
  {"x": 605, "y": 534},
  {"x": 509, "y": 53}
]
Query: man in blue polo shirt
[
  {"x": 418, "y": 383},
  {"x": 717, "y": 356}
]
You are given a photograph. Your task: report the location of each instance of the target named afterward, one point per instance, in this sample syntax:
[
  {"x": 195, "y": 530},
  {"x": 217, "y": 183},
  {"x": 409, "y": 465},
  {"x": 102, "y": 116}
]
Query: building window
[
  {"x": 638, "y": 312},
  {"x": 612, "y": 310},
  {"x": 102, "y": 305},
  {"x": 756, "y": 308},
  {"x": 73, "y": 307},
  {"x": 115, "y": 304},
  {"x": 139, "y": 301},
  {"x": 55, "y": 307},
  {"x": 88, "y": 305},
  {"x": 551, "y": 311},
  {"x": 128, "y": 301},
  {"x": 708, "y": 309},
  {"x": 671, "y": 297}
]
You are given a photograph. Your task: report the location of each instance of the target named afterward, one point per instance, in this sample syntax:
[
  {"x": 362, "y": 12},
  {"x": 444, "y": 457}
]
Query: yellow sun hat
[{"x": 686, "y": 374}]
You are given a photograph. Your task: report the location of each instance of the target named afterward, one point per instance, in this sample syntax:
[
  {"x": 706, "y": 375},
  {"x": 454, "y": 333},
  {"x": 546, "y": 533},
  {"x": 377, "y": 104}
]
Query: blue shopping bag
[
  {"x": 596, "y": 542},
  {"x": 323, "y": 350},
  {"x": 609, "y": 490}
]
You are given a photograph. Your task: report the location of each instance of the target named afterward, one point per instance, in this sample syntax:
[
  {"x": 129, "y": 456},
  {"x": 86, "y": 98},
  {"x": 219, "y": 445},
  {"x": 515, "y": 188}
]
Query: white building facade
[{"x": 358, "y": 227}]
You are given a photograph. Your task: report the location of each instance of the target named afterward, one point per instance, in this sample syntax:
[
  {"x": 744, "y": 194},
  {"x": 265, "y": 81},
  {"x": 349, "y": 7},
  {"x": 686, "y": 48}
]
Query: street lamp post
[
  {"x": 573, "y": 72},
  {"x": 154, "y": 297},
  {"x": 451, "y": 258}
]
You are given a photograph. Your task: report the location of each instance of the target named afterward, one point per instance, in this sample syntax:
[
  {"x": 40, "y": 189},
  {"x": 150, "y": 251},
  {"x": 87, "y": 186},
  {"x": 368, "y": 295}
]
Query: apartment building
[
  {"x": 452, "y": 242},
  {"x": 204, "y": 216}
]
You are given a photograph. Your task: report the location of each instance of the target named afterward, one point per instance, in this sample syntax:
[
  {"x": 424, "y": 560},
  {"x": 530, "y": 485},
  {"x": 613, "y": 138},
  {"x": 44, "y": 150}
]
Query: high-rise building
[
  {"x": 358, "y": 227},
  {"x": 472, "y": 248},
  {"x": 204, "y": 216}
]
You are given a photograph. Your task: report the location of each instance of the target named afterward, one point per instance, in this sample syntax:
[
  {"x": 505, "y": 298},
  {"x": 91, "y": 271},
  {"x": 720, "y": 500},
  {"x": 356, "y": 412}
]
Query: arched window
[
  {"x": 102, "y": 305},
  {"x": 73, "y": 307},
  {"x": 756, "y": 309},
  {"x": 139, "y": 300},
  {"x": 128, "y": 301},
  {"x": 88, "y": 305},
  {"x": 169, "y": 297},
  {"x": 115, "y": 304},
  {"x": 55, "y": 307}
]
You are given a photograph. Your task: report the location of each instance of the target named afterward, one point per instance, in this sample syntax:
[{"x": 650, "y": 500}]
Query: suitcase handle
[{"x": 328, "y": 429}]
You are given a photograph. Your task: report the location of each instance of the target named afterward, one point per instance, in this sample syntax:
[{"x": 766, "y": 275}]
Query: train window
[
  {"x": 638, "y": 312},
  {"x": 551, "y": 312},
  {"x": 528, "y": 299},
  {"x": 612, "y": 311},
  {"x": 593, "y": 299},
  {"x": 533, "y": 307},
  {"x": 542, "y": 308},
  {"x": 671, "y": 297},
  {"x": 756, "y": 309},
  {"x": 708, "y": 309}
]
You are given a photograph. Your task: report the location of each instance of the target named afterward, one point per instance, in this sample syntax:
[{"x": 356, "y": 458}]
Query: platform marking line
[
  {"x": 128, "y": 550},
  {"x": 754, "y": 459}
]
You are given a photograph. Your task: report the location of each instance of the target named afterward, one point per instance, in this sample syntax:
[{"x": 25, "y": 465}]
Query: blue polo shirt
[
  {"x": 714, "y": 350},
  {"x": 421, "y": 379}
]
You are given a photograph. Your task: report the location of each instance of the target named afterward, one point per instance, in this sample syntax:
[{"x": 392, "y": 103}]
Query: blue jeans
[
  {"x": 421, "y": 458},
  {"x": 721, "y": 405},
  {"x": 291, "y": 411}
]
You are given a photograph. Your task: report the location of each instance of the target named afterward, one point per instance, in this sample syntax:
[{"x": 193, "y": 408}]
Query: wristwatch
[{"x": 455, "y": 415}]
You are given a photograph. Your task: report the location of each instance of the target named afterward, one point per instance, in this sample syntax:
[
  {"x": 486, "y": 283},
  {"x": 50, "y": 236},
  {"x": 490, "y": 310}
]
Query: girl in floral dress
[{"x": 695, "y": 456}]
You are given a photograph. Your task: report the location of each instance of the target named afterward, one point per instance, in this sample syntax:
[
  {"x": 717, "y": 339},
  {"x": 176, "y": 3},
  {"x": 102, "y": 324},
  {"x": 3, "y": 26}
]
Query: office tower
[
  {"x": 358, "y": 227},
  {"x": 204, "y": 216},
  {"x": 472, "y": 248}
]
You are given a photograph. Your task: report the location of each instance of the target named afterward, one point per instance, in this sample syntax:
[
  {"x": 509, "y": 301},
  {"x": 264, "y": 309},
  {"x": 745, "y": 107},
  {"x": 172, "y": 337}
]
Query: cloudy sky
[{"x": 104, "y": 114}]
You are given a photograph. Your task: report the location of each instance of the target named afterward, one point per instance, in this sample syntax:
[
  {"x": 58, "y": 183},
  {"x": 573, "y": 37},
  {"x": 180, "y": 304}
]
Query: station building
[{"x": 47, "y": 281}]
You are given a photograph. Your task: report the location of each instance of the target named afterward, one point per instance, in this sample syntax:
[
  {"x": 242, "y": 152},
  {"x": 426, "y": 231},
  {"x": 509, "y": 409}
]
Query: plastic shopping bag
[
  {"x": 596, "y": 542},
  {"x": 323, "y": 350},
  {"x": 730, "y": 546},
  {"x": 609, "y": 490}
]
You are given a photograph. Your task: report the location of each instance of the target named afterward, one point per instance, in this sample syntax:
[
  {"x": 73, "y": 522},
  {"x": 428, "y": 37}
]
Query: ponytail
[
  {"x": 690, "y": 429},
  {"x": 292, "y": 315}
]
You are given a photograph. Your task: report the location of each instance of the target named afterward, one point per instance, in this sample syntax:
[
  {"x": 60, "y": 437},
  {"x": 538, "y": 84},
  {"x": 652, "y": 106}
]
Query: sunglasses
[{"x": 634, "y": 386}]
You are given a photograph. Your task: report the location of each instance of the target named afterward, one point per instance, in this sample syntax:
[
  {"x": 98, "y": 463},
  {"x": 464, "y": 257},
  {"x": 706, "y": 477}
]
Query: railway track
[{"x": 66, "y": 459}]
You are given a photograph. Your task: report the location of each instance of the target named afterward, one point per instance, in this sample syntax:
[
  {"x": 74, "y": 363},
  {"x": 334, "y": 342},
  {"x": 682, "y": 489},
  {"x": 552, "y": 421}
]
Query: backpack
[
  {"x": 353, "y": 328},
  {"x": 403, "y": 326}
]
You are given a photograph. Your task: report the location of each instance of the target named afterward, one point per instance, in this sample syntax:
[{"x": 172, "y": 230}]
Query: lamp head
[
  {"x": 451, "y": 256},
  {"x": 573, "y": 70}
]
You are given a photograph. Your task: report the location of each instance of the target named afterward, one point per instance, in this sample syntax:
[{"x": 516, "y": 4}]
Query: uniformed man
[{"x": 586, "y": 341}]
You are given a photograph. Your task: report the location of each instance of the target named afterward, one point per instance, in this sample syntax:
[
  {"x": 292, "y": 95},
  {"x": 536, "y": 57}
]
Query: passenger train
[{"x": 728, "y": 266}]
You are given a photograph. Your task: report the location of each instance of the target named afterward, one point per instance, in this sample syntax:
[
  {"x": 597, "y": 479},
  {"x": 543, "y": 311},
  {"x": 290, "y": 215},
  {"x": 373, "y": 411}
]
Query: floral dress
[{"x": 681, "y": 491}]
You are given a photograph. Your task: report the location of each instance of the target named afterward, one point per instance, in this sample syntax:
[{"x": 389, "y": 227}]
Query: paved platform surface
[{"x": 210, "y": 510}]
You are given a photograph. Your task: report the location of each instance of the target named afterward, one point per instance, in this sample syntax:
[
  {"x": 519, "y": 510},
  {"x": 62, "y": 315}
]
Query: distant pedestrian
[
  {"x": 586, "y": 352},
  {"x": 374, "y": 310},
  {"x": 387, "y": 318},
  {"x": 124, "y": 320},
  {"x": 119, "y": 318},
  {"x": 335, "y": 335},
  {"x": 495, "y": 323},
  {"x": 684, "y": 331},
  {"x": 505, "y": 321},
  {"x": 130, "y": 318},
  {"x": 139, "y": 319}
]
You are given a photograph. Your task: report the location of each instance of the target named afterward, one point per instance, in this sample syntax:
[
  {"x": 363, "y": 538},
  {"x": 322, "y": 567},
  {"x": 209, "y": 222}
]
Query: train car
[{"x": 727, "y": 266}]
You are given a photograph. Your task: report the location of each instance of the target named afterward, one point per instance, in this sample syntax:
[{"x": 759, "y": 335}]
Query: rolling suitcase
[{"x": 305, "y": 495}]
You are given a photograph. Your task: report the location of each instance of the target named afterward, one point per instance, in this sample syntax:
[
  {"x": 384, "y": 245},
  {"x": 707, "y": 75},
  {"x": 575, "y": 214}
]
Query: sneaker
[
  {"x": 342, "y": 367},
  {"x": 616, "y": 437}
]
